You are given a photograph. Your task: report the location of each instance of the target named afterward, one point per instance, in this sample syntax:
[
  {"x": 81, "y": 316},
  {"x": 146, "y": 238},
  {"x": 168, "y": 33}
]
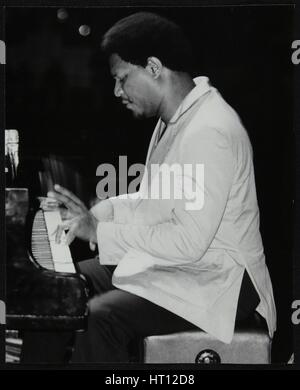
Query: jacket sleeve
[
  {"x": 118, "y": 209},
  {"x": 190, "y": 229}
]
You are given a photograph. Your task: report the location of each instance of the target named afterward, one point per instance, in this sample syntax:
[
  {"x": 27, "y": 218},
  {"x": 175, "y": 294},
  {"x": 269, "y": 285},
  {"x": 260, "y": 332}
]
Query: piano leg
[{"x": 56, "y": 346}]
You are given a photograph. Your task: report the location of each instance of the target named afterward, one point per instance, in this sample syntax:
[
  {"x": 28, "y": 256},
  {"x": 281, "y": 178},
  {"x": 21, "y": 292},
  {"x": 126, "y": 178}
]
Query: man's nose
[{"x": 118, "y": 91}]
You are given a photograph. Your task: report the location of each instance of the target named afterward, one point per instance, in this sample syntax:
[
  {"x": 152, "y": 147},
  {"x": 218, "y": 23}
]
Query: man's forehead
[{"x": 117, "y": 65}]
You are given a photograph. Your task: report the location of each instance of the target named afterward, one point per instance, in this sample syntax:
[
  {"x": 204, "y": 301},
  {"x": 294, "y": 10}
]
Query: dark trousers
[{"x": 116, "y": 319}]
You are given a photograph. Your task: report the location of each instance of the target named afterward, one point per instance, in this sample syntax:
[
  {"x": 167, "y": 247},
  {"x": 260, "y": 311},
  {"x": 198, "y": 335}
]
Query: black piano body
[{"x": 37, "y": 298}]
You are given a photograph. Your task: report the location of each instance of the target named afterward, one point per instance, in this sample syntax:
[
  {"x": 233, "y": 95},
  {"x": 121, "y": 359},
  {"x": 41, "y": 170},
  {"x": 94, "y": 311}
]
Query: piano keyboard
[{"x": 46, "y": 251}]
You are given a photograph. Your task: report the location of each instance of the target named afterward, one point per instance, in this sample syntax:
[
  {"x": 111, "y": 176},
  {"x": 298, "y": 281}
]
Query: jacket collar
[{"x": 202, "y": 86}]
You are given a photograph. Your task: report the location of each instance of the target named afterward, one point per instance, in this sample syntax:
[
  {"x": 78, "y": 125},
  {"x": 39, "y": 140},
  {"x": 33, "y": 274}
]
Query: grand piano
[{"x": 44, "y": 289}]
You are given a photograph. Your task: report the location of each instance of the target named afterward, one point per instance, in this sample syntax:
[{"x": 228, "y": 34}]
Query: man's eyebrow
[{"x": 114, "y": 75}]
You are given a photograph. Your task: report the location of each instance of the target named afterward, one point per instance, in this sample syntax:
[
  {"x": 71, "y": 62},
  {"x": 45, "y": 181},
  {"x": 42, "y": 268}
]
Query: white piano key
[
  {"x": 64, "y": 267},
  {"x": 61, "y": 254}
]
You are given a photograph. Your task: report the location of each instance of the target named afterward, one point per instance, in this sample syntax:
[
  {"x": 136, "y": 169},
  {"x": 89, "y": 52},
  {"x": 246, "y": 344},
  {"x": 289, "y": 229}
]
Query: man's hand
[{"x": 82, "y": 223}]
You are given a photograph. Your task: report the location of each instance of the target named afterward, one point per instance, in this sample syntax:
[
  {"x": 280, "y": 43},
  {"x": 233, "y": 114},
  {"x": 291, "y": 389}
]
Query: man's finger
[
  {"x": 66, "y": 201},
  {"x": 70, "y": 236},
  {"x": 92, "y": 246},
  {"x": 50, "y": 206},
  {"x": 63, "y": 191},
  {"x": 59, "y": 231}
]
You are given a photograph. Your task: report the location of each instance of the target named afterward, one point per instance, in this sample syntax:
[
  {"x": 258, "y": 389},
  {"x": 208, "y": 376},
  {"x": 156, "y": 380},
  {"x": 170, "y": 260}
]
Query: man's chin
[
  {"x": 135, "y": 112},
  {"x": 137, "y": 115}
]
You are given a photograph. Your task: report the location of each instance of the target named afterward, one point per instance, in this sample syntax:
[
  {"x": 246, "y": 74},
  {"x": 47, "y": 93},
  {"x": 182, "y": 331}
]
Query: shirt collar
[{"x": 202, "y": 86}]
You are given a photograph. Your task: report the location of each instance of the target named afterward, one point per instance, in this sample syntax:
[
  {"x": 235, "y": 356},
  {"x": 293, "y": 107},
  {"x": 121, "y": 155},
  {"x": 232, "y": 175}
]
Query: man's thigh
[
  {"x": 135, "y": 315},
  {"x": 98, "y": 276}
]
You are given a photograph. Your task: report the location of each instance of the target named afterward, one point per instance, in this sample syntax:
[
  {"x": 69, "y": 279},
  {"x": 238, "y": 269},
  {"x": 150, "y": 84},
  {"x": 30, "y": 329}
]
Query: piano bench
[{"x": 250, "y": 345}]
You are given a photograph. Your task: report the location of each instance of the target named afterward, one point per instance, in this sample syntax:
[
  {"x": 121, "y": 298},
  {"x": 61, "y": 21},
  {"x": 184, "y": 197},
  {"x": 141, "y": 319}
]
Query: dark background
[
  {"x": 2, "y": 215},
  {"x": 296, "y": 246},
  {"x": 59, "y": 95}
]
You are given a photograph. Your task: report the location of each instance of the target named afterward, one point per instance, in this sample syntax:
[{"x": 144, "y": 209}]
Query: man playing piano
[{"x": 168, "y": 265}]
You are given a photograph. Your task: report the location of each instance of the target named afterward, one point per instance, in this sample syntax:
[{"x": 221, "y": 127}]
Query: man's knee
[
  {"x": 106, "y": 320},
  {"x": 113, "y": 307},
  {"x": 99, "y": 309},
  {"x": 98, "y": 276}
]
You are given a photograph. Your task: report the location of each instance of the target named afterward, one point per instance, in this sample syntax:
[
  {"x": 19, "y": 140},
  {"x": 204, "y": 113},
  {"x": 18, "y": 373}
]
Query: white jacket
[{"x": 191, "y": 261}]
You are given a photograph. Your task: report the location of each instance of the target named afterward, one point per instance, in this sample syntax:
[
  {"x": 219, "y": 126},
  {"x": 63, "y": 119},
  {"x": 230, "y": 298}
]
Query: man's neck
[{"x": 178, "y": 86}]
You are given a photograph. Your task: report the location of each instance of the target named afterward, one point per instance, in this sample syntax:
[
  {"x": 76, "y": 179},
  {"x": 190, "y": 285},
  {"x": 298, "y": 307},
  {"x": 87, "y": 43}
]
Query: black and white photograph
[{"x": 149, "y": 185}]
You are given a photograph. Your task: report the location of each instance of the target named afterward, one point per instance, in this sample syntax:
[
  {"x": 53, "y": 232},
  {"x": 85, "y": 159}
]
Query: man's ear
[{"x": 154, "y": 66}]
